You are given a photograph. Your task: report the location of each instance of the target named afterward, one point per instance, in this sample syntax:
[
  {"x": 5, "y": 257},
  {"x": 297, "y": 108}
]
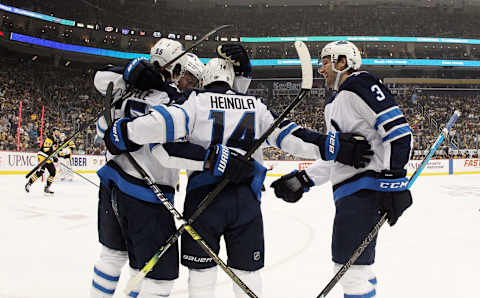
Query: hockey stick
[
  {"x": 307, "y": 80},
  {"x": 383, "y": 219},
  {"x": 72, "y": 171},
  {"x": 85, "y": 125},
  {"x": 189, "y": 229}
]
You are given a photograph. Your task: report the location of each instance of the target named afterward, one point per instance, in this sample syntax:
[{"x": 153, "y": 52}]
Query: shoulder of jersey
[{"x": 369, "y": 88}]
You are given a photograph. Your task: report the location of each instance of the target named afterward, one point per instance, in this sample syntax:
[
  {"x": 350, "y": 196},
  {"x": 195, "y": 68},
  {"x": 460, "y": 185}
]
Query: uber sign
[{"x": 79, "y": 161}]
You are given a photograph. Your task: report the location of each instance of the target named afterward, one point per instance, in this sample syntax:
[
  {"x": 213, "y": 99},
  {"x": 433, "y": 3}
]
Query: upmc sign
[{"x": 22, "y": 160}]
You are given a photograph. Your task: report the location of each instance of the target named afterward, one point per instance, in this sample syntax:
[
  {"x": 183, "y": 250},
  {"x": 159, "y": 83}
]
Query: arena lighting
[
  {"x": 36, "y": 15},
  {"x": 362, "y": 38},
  {"x": 255, "y": 62}
]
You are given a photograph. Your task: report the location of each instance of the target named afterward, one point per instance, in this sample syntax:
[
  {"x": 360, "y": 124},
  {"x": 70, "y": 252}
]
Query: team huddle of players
[{"x": 187, "y": 115}]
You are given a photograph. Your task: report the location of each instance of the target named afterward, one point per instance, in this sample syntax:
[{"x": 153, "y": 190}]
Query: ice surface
[{"x": 49, "y": 244}]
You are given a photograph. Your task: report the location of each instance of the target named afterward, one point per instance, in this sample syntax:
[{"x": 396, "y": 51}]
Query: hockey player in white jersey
[
  {"x": 132, "y": 222},
  {"x": 362, "y": 104},
  {"x": 215, "y": 118}
]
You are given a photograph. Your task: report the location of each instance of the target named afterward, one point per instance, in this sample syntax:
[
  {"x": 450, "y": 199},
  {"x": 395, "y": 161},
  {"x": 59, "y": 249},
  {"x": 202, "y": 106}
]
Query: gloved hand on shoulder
[
  {"x": 143, "y": 75},
  {"x": 237, "y": 54}
]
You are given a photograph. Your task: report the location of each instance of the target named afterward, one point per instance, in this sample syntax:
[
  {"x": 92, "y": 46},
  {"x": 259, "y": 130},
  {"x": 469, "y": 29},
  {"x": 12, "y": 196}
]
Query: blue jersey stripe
[
  {"x": 396, "y": 133},
  {"x": 389, "y": 115},
  {"x": 108, "y": 175},
  {"x": 284, "y": 133},
  {"x": 169, "y": 125},
  {"x": 367, "y": 182},
  {"x": 187, "y": 119}
]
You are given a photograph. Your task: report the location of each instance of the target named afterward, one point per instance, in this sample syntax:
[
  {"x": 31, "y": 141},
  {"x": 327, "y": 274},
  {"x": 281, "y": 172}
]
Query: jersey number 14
[{"x": 242, "y": 136}]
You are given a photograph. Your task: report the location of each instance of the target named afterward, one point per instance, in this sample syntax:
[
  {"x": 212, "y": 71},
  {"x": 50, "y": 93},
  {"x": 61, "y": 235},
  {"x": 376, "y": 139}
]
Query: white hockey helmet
[
  {"x": 218, "y": 70},
  {"x": 164, "y": 51},
  {"x": 339, "y": 48},
  {"x": 343, "y": 48},
  {"x": 62, "y": 136},
  {"x": 194, "y": 65}
]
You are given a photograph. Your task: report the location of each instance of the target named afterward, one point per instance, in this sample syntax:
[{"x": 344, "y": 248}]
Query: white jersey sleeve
[
  {"x": 163, "y": 124},
  {"x": 103, "y": 78}
]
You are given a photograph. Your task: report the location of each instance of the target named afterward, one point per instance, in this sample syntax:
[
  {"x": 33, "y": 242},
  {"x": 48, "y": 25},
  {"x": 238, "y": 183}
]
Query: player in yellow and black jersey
[{"x": 49, "y": 145}]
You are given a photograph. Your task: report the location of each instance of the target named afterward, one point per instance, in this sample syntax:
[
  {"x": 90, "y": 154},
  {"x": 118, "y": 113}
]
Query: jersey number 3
[
  {"x": 375, "y": 89},
  {"x": 242, "y": 136}
]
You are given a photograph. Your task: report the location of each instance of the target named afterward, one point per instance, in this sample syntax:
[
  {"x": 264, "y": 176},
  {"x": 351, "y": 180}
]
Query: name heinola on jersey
[{"x": 231, "y": 102}]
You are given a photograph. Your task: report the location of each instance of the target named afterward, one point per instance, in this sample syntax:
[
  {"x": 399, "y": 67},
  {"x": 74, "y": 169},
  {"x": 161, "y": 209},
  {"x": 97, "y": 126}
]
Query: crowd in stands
[
  {"x": 67, "y": 96},
  {"x": 70, "y": 100}
]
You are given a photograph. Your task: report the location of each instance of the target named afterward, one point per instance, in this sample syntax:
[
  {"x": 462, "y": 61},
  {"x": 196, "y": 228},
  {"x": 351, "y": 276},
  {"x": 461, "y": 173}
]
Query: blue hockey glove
[
  {"x": 237, "y": 54},
  {"x": 143, "y": 75},
  {"x": 116, "y": 138},
  {"x": 228, "y": 163},
  {"x": 347, "y": 148},
  {"x": 291, "y": 187},
  {"x": 394, "y": 203}
]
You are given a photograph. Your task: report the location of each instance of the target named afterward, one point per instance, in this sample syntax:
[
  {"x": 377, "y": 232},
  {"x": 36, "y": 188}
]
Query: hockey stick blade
[
  {"x": 306, "y": 64},
  {"x": 307, "y": 77},
  {"x": 383, "y": 219},
  {"x": 196, "y": 44}
]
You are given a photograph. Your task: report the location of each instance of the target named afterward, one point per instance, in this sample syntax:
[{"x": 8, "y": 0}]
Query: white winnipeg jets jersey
[
  {"x": 226, "y": 117},
  {"x": 366, "y": 107},
  {"x": 132, "y": 104}
]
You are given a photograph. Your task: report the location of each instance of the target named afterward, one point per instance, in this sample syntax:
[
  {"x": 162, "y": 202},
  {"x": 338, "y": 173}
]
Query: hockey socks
[
  {"x": 106, "y": 272},
  {"x": 358, "y": 282}
]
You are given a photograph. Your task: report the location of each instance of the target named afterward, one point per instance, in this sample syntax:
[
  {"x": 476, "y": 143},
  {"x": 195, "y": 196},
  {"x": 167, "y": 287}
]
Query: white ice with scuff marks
[{"x": 48, "y": 244}]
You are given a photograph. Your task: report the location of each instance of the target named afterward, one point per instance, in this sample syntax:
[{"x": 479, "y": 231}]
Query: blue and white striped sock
[{"x": 103, "y": 284}]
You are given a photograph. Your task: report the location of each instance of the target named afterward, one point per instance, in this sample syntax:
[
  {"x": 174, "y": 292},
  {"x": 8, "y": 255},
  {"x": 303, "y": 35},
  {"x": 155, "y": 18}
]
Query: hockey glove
[
  {"x": 228, "y": 163},
  {"x": 238, "y": 56},
  {"x": 347, "y": 148},
  {"x": 394, "y": 203},
  {"x": 142, "y": 75},
  {"x": 291, "y": 187},
  {"x": 116, "y": 138}
]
